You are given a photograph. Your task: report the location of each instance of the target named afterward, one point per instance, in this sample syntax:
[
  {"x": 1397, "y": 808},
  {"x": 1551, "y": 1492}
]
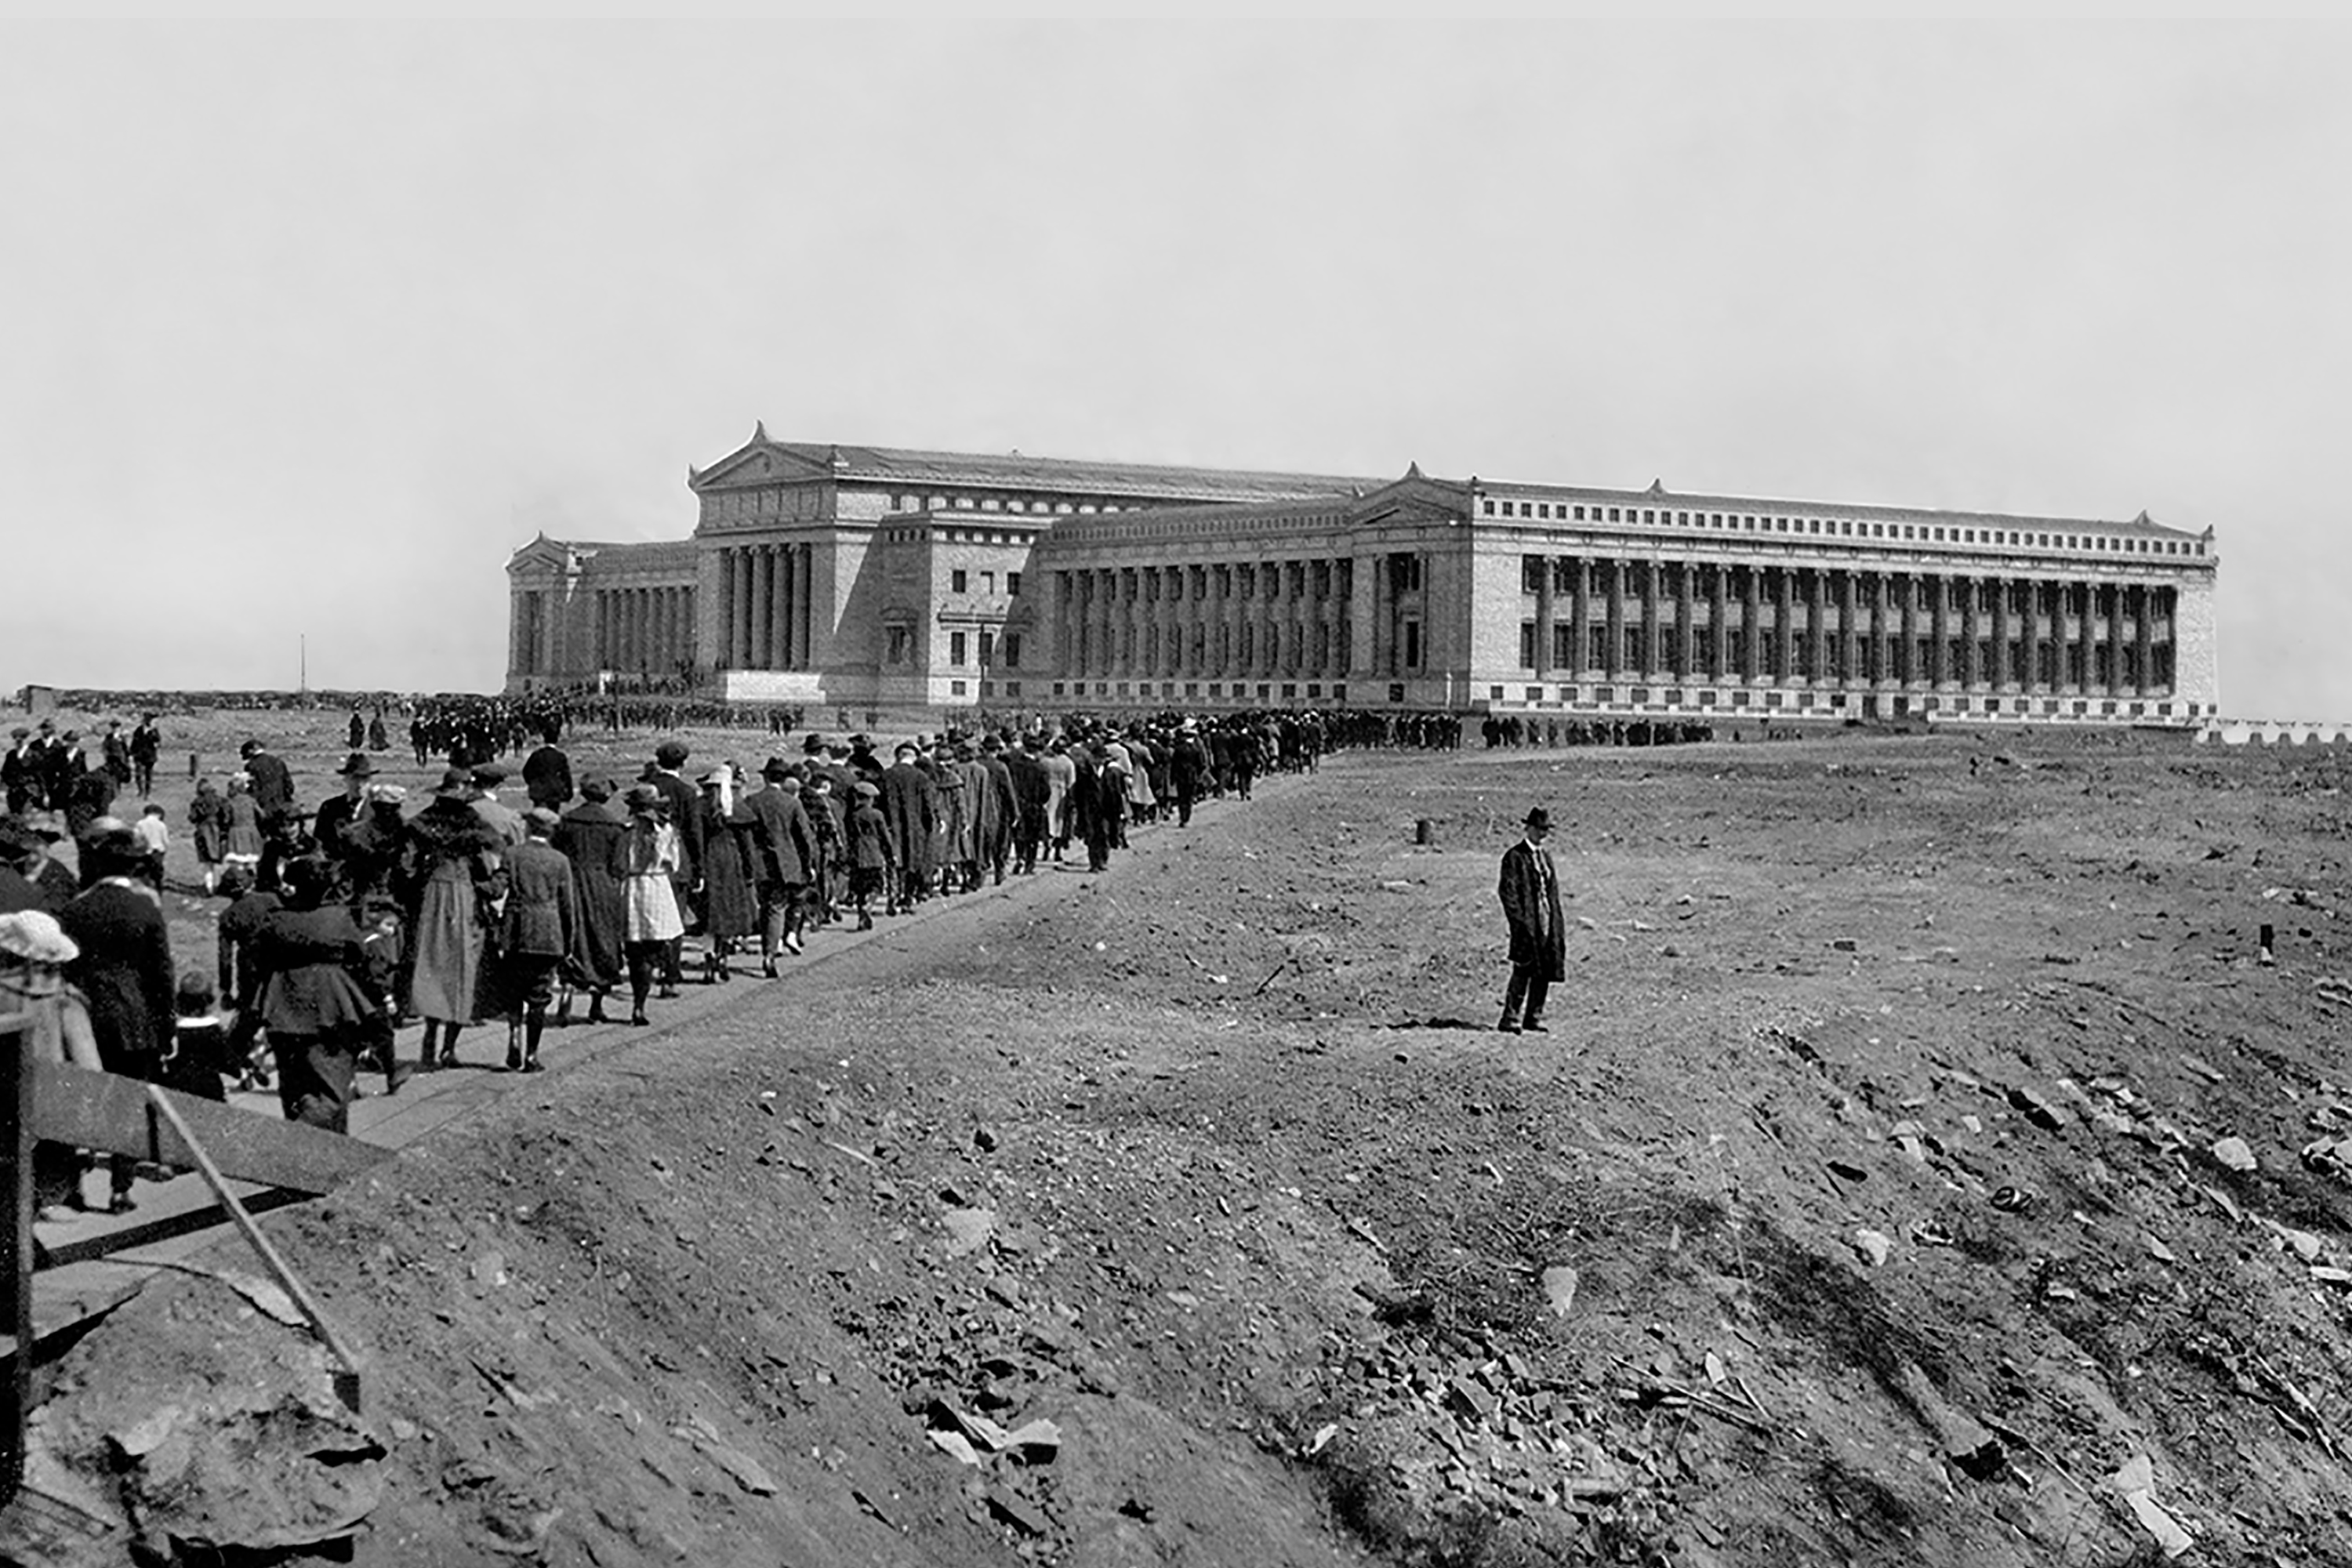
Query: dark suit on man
[
  {"x": 547, "y": 778},
  {"x": 1529, "y": 891},
  {"x": 273, "y": 787}
]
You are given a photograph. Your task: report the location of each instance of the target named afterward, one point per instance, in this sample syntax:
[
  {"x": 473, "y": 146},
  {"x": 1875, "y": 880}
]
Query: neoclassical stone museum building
[{"x": 871, "y": 577}]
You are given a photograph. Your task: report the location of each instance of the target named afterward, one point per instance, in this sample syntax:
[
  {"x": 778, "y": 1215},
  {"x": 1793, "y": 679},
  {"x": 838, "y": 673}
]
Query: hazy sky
[{"x": 306, "y": 327}]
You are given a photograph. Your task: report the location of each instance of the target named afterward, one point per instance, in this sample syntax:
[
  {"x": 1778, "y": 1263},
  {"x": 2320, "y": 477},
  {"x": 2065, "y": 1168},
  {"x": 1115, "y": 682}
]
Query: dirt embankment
[{"x": 1874, "y": 1198}]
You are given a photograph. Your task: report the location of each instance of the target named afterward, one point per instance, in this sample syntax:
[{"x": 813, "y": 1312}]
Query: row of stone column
[
  {"x": 765, "y": 601},
  {"x": 644, "y": 630},
  {"x": 528, "y": 624},
  {"x": 1698, "y": 620},
  {"x": 1226, "y": 620}
]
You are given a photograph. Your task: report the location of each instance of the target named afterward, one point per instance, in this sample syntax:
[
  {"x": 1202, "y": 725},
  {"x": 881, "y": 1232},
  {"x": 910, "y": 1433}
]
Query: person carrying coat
[{"x": 1529, "y": 889}]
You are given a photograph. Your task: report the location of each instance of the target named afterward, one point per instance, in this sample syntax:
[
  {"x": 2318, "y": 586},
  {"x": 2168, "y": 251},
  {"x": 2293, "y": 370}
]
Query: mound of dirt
[{"x": 1924, "y": 1166}]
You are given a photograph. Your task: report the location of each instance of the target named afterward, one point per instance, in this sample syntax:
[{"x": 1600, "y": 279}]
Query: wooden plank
[
  {"x": 16, "y": 1243},
  {"x": 347, "y": 1380},
  {"x": 110, "y": 1113}
]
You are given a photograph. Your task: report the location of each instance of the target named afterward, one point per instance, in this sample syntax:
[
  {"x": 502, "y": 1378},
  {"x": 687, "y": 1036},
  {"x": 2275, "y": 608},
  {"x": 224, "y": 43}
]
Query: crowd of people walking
[{"x": 526, "y": 896}]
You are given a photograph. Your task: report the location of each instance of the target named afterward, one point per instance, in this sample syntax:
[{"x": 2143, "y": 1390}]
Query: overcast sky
[{"x": 306, "y": 327}]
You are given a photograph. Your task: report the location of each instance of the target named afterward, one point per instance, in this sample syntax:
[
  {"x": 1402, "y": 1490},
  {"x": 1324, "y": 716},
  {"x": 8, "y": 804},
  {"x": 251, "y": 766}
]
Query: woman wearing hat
[
  {"x": 452, "y": 873},
  {"x": 647, "y": 858},
  {"x": 34, "y": 953},
  {"x": 590, "y": 838},
  {"x": 730, "y": 912}
]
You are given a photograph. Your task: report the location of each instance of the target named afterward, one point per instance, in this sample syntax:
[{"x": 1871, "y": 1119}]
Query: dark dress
[
  {"x": 589, "y": 836},
  {"x": 125, "y": 971},
  {"x": 729, "y": 907}
]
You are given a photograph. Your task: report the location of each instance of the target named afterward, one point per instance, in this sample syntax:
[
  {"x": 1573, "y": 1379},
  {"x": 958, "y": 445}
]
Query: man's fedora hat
[
  {"x": 356, "y": 766},
  {"x": 1540, "y": 817}
]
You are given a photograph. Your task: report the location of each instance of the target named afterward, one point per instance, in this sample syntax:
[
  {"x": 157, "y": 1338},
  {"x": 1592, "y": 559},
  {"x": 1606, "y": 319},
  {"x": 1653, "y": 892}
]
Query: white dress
[{"x": 649, "y": 859}]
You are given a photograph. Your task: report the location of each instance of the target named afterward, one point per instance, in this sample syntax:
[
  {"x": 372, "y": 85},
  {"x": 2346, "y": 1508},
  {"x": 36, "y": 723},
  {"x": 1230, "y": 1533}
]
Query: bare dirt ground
[{"x": 1870, "y": 1201}]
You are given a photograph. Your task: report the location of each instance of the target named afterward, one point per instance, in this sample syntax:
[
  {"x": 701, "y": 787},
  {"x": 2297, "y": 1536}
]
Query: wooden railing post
[{"x": 16, "y": 1245}]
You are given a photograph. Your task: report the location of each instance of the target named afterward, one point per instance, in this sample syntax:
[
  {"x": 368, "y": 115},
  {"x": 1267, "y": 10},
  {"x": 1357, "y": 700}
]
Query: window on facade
[
  {"x": 1012, "y": 650},
  {"x": 1527, "y": 645},
  {"x": 988, "y": 582},
  {"x": 955, "y": 688},
  {"x": 956, "y": 648},
  {"x": 956, "y": 581},
  {"x": 899, "y": 642},
  {"x": 1012, "y": 584},
  {"x": 987, "y": 649},
  {"x": 1486, "y": 508},
  {"x": 1612, "y": 514},
  {"x": 1413, "y": 644}
]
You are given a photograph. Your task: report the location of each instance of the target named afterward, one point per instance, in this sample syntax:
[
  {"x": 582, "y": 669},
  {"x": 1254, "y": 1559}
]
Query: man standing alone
[{"x": 1529, "y": 889}]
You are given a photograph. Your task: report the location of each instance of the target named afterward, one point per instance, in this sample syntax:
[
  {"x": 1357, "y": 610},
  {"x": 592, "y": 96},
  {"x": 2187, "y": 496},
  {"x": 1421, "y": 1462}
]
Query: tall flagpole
[{"x": 302, "y": 664}]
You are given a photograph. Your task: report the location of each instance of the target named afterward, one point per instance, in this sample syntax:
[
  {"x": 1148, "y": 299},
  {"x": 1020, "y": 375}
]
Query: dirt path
[{"x": 1881, "y": 1124}]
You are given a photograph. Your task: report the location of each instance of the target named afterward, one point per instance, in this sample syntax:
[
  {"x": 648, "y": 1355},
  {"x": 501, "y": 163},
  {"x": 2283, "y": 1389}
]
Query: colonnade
[
  {"x": 1223, "y": 620},
  {"x": 1608, "y": 617},
  {"x": 764, "y": 603},
  {"x": 644, "y": 630}
]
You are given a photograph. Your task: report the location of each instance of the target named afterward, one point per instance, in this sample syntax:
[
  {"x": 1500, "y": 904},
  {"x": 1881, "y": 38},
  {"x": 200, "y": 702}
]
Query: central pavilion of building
[{"x": 872, "y": 577}]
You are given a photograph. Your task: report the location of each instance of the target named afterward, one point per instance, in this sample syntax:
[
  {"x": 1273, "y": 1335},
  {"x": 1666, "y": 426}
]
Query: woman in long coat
[
  {"x": 730, "y": 909},
  {"x": 646, "y": 858},
  {"x": 315, "y": 1000},
  {"x": 955, "y": 855},
  {"x": 451, "y": 875},
  {"x": 590, "y": 836}
]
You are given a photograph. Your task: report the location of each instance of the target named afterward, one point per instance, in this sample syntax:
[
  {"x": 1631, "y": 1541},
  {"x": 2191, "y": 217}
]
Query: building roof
[
  {"x": 918, "y": 469},
  {"x": 610, "y": 555},
  {"x": 1659, "y": 496}
]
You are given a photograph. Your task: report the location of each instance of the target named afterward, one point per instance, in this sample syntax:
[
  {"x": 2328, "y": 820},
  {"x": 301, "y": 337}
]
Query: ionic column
[
  {"x": 738, "y": 608},
  {"x": 2143, "y": 641},
  {"x": 1546, "y": 567},
  {"x": 1718, "y": 611},
  {"x": 2002, "y": 589},
  {"x": 1652, "y": 633},
  {"x": 1784, "y": 623},
  {"x": 1580, "y": 616},
  {"x": 765, "y": 622},
  {"x": 1939, "y": 627},
  {"x": 1751, "y": 662},
  {"x": 1686, "y": 626},
  {"x": 1817, "y": 625},
  {"x": 1613, "y": 610},
  {"x": 791, "y": 583}
]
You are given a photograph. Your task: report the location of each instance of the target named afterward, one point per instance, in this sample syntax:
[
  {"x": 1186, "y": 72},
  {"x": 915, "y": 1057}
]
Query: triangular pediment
[
  {"x": 758, "y": 462},
  {"x": 542, "y": 553},
  {"x": 1412, "y": 498}
]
